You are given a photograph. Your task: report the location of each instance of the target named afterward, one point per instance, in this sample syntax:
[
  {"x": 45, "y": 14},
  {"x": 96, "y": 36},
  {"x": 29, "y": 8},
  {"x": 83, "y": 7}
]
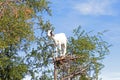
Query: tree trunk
[{"x": 55, "y": 73}]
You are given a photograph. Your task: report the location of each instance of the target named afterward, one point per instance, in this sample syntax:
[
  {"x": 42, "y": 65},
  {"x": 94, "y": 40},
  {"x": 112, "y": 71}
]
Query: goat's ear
[{"x": 51, "y": 33}]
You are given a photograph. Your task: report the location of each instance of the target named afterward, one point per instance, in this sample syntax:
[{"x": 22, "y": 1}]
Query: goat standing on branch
[{"x": 60, "y": 41}]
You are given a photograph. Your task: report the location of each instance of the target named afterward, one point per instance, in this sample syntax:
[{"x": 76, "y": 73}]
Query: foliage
[
  {"x": 92, "y": 49},
  {"x": 11, "y": 65},
  {"x": 40, "y": 58},
  {"x": 13, "y": 27},
  {"x": 16, "y": 33}
]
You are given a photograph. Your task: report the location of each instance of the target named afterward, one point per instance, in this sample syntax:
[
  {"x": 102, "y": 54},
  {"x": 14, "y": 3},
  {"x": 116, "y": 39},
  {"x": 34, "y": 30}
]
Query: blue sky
[{"x": 96, "y": 15}]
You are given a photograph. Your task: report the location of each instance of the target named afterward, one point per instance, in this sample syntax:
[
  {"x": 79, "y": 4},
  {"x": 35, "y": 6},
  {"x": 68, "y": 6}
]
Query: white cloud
[
  {"x": 111, "y": 76},
  {"x": 95, "y": 7}
]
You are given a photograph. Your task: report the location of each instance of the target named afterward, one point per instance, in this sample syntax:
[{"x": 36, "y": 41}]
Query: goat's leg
[
  {"x": 60, "y": 51},
  {"x": 65, "y": 48},
  {"x": 56, "y": 52}
]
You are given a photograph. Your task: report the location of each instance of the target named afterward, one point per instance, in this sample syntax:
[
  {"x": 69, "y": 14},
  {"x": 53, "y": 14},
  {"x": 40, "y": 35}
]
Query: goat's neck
[{"x": 53, "y": 37}]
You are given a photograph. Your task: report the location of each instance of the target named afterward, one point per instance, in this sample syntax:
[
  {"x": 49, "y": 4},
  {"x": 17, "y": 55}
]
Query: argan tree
[
  {"x": 88, "y": 50},
  {"x": 16, "y": 34},
  {"x": 83, "y": 60}
]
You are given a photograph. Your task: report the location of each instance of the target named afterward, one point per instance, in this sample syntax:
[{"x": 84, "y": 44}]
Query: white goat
[{"x": 60, "y": 42}]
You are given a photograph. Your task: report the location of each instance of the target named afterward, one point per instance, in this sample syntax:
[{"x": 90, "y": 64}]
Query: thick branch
[{"x": 77, "y": 72}]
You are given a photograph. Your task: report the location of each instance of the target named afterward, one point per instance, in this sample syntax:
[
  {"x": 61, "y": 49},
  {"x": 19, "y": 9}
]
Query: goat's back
[{"x": 61, "y": 37}]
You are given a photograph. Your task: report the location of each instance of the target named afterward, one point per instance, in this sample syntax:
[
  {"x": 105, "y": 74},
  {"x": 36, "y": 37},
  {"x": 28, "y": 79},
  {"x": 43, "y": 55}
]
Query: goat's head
[{"x": 50, "y": 33}]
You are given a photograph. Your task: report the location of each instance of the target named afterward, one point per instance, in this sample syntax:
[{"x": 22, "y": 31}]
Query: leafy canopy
[
  {"x": 16, "y": 32},
  {"x": 91, "y": 49},
  {"x": 13, "y": 25}
]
